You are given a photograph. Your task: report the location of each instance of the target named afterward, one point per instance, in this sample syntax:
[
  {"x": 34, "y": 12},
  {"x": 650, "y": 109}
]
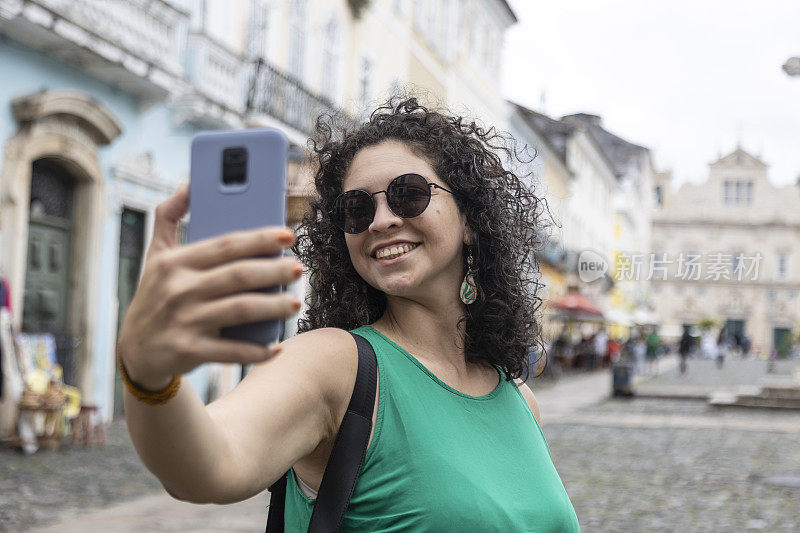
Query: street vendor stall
[
  {"x": 575, "y": 307},
  {"x": 36, "y": 404},
  {"x": 572, "y": 310}
]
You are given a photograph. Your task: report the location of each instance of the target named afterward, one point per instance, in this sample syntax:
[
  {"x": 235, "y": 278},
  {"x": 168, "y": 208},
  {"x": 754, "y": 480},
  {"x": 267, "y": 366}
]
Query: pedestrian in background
[
  {"x": 421, "y": 242},
  {"x": 745, "y": 347},
  {"x": 600, "y": 347},
  {"x": 708, "y": 345},
  {"x": 585, "y": 353},
  {"x": 723, "y": 345},
  {"x": 560, "y": 347},
  {"x": 653, "y": 342},
  {"x": 639, "y": 351},
  {"x": 684, "y": 349},
  {"x": 614, "y": 347}
]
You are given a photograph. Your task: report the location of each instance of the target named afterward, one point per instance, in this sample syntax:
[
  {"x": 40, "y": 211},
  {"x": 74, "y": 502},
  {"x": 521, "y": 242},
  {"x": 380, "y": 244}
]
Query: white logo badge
[{"x": 591, "y": 266}]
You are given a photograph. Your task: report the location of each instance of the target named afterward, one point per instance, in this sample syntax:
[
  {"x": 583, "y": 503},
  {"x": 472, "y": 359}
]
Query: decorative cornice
[
  {"x": 91, "y": 114},
  {"x": 10, "y": 9},
  {"x": 140, "y": 170}
]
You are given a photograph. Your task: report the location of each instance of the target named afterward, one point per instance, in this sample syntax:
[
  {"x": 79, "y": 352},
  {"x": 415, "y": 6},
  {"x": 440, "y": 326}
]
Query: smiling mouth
[{"x": 395, "y": 251}]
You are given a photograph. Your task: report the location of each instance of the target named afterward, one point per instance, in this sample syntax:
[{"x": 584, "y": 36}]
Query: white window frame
[
  {"x": 258, "y": 30},
  {"x": 331, "y": 59},
  {"x": 783, "y": 264},
  {"x": 366, "y": 86},
  {"x": 297, "y": 40}
]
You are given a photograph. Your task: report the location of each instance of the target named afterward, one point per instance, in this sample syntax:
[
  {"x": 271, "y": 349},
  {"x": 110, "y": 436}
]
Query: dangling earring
[{"x": 469, "y": 291}]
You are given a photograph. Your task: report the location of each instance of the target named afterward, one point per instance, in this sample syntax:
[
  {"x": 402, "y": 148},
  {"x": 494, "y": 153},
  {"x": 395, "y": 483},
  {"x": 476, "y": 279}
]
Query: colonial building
[
  {"x": 100, "y": 101},
  {"x": 632, "y": 207},
  {"x": 728, "y": 250},
  {"x": 597, "y": 187}
]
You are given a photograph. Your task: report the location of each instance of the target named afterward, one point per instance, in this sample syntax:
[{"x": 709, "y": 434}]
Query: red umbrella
[{"x": 575, "y": 304}]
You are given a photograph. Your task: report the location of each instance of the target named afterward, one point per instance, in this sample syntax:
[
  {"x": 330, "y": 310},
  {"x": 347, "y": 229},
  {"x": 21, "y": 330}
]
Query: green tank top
[{"x": 441, "y": 460}]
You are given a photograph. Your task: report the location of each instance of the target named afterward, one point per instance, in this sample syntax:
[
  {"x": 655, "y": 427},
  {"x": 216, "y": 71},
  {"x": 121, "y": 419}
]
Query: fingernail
[
  {"x": 275, "y": 347},
  {"x": 296, "y": 304},
  {"x": 298, "y": 270}
]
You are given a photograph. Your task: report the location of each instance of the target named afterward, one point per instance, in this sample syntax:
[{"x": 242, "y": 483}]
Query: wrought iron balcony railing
[{"x": 275, "y": 94}]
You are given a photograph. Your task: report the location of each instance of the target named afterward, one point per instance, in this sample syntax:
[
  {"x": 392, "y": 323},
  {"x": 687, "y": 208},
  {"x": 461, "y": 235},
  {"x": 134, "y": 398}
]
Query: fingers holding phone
[
  {"x": 218, "y": 298},
  {"x": 174, "y": 321},
  {"x": 167, "y": 220}
]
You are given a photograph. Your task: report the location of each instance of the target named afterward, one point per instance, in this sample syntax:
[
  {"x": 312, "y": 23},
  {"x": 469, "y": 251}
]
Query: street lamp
[{"x": 792, "y": 66}]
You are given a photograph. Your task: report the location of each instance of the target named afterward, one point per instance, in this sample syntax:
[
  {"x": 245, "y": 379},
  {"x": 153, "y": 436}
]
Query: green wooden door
[
  {"x": 735, "y": 328},
  {"x": 46, "y": 279},
  {"x": 781, "y": 341},
  {"x": 49, "y": 255},
  {"x": 131, "y": 250}
]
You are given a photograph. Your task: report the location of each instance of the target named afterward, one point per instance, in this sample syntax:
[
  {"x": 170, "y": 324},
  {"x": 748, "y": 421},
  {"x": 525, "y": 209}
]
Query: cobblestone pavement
[
  {"x": 49, "y": 486},
  {"x": 703, "y": 377},
  {"x": 681, "y": 465},
  {"x": 693, "y": 479},
  {"x": 160, "y": 513},
  {"x": 628, "y": 465}
]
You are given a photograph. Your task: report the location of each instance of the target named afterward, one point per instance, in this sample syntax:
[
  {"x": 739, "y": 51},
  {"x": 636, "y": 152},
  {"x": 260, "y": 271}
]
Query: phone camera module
[{"x": 234, "y": 165}]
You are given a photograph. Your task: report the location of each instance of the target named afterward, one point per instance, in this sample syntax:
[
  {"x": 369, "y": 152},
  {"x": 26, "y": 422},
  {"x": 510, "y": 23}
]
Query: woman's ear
[{"x": 467, "y": 238}]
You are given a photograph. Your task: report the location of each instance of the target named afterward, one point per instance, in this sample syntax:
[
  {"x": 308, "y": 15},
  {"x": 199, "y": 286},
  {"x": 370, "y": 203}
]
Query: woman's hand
[{"x": 188, "y": 293}]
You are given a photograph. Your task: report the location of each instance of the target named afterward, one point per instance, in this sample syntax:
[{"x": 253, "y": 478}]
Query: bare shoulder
[
  {"x": 329, "y": 357},
  {"x": 309, "y": 369},
  {"x": 310, "y": 377},
  {"x": 284, "y": 409},
  {"x": 527, "y": 393}
]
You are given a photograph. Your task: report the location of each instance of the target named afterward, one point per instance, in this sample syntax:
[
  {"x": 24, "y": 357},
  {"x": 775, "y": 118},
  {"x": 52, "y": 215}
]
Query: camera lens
[{"x": 234, "y": 165}]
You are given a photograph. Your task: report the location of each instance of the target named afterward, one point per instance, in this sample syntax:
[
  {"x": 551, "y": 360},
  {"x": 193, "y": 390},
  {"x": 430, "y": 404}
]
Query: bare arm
[{"x": 242, "y": 443}]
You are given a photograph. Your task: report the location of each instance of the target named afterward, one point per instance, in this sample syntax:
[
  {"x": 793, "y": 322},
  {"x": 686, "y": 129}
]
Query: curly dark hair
[{"x": 502, "y": 326}]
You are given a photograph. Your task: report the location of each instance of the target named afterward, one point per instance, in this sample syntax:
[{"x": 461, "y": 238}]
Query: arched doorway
[
  {"x": 52, "y": 186},
  {"x": 47, "y": 296}
]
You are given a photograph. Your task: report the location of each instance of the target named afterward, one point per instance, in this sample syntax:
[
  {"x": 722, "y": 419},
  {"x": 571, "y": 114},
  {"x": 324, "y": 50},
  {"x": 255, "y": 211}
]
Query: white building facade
[
  {"x": 598, "y": 188},
  {"x": 731, "y": 248}
]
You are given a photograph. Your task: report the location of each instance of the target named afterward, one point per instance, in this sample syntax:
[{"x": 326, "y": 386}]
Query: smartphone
[{"x": 238, "y": 182}]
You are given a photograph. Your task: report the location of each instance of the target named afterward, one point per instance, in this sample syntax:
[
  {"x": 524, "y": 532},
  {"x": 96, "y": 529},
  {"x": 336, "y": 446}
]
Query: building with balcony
[
  {"x": 89, "y": 147},
  {"x": 729, "y": 249},
  {"x": 597, "y": 187},
  {"x": 102, "y": 98},
  {"x": 632, "y": 207}
]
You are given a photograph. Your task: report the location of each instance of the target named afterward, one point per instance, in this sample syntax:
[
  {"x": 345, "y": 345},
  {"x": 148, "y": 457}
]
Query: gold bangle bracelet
[{"x": 146, "y": 396}]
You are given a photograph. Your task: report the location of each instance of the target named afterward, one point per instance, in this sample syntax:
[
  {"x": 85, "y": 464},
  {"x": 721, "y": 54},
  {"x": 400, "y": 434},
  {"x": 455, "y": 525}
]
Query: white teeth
[{"x": 394, "y": 251}]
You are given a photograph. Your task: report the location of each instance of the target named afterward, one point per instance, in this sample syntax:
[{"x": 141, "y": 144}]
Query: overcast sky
[{"x": 686, "y": 78}]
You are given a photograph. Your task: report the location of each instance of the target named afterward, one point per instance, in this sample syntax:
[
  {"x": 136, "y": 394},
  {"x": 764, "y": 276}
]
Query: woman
[{"x": 413, "y": 205}]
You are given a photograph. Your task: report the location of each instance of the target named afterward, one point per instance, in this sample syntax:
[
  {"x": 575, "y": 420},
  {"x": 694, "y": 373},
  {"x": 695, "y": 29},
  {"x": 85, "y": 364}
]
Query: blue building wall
[{"x": 144, "y": 129}]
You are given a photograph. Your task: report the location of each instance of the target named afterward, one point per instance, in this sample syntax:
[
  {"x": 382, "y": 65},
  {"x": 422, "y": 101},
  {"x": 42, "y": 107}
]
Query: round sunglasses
[{"x": 407, "y": 196}]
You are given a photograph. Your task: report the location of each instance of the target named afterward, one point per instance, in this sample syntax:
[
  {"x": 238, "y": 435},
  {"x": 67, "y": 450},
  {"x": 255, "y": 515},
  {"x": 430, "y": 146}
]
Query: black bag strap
[
  {"x": 347, "y": 455},
  {"x": 277, "y": 503}
]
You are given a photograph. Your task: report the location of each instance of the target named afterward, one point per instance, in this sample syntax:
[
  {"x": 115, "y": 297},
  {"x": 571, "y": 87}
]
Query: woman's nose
[{"x": 384, "y": 217}]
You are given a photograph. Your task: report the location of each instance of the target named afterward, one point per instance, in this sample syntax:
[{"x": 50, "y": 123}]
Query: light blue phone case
[{"x": 216, "y": 208}]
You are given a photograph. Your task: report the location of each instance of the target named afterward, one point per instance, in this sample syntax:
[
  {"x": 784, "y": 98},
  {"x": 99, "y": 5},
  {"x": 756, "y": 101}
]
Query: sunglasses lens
[
  {"x": 353, "y": 211},
  {"x": 408, "y": 195}
]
